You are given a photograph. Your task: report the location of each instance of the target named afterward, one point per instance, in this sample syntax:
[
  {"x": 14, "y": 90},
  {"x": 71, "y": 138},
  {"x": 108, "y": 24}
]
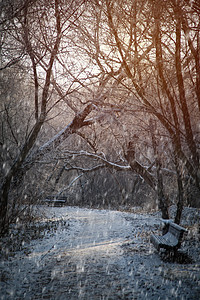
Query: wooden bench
[
  {"x": 54, "y": 202},
  {"x": 171, "y": 240}
]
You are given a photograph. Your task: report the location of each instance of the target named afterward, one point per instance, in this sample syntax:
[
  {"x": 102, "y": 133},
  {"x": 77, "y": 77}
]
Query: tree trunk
[
  {"x": 162, "y": 200},
  {"x": 180, "y": 202},
  {"x": 138, "y": 168},
  {"x": 5, "y": 187},
  {"x": 4, "y": 205},
  {"x": 183, "y": 103}
]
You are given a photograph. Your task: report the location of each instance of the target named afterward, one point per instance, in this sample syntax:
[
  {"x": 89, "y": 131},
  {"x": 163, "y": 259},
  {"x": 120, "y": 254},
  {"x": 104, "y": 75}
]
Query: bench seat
[{"x": 171, "y": 240}]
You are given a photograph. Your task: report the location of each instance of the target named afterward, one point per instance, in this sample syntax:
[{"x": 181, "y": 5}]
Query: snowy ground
[{"x": 98, "y": 254}]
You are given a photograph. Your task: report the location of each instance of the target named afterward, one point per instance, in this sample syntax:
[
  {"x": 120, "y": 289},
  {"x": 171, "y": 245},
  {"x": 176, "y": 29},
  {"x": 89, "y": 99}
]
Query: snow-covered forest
[
  {"x": 100, "y": 108},
  {"x": 100, "y": 104}
]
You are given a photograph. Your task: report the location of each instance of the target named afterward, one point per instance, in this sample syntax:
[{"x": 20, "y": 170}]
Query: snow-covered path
[
  {"x": 92, "y": 232},
  {"x": 98, "y": 254}
]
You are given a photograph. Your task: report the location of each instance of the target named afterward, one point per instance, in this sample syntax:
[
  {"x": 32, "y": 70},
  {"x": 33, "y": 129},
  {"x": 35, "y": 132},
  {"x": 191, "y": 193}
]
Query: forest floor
[{"x": 79, "y": 253}]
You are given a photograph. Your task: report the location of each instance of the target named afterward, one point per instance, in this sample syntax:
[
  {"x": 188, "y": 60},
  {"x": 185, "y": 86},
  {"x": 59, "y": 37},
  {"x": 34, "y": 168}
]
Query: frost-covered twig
[
  {"x": 85, "y": 170},
  {"x": 69, "y": 185},
  {"x": 101, "y": 157}
]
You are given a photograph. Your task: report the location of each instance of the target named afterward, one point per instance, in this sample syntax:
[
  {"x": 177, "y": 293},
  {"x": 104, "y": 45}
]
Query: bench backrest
[{"x": 176, "y": 230}]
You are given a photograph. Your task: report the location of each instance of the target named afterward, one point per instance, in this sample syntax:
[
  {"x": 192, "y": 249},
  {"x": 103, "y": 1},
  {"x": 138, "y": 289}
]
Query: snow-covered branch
[
  {"x": 134, "y": 165},
  {"x": 85, "y": 170},
  {"x": 101, "y": 157},
  {"x": 77, "y": 123},
  {"x": 69, "y": 185}
]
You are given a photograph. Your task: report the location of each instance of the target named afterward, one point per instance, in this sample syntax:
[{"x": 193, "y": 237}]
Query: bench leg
[
  {"x": 169, "y": 255},
  {"x": 165, "y": 229}
]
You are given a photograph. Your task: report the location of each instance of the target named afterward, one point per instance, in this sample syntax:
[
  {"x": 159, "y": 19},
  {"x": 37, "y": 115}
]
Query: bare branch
[
  {"x": 99, "y": 157},
  {"x": 69, "y": 185}
]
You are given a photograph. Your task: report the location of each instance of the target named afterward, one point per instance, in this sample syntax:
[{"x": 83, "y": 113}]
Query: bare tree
[
  {"x": 137, "y": 60},
  {"x": 147, "y": 63},
  {"x": 38, "y": 28}
]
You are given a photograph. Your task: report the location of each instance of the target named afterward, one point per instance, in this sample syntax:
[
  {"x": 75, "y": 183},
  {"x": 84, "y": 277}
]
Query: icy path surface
[{"x": 98, "y": 254}]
